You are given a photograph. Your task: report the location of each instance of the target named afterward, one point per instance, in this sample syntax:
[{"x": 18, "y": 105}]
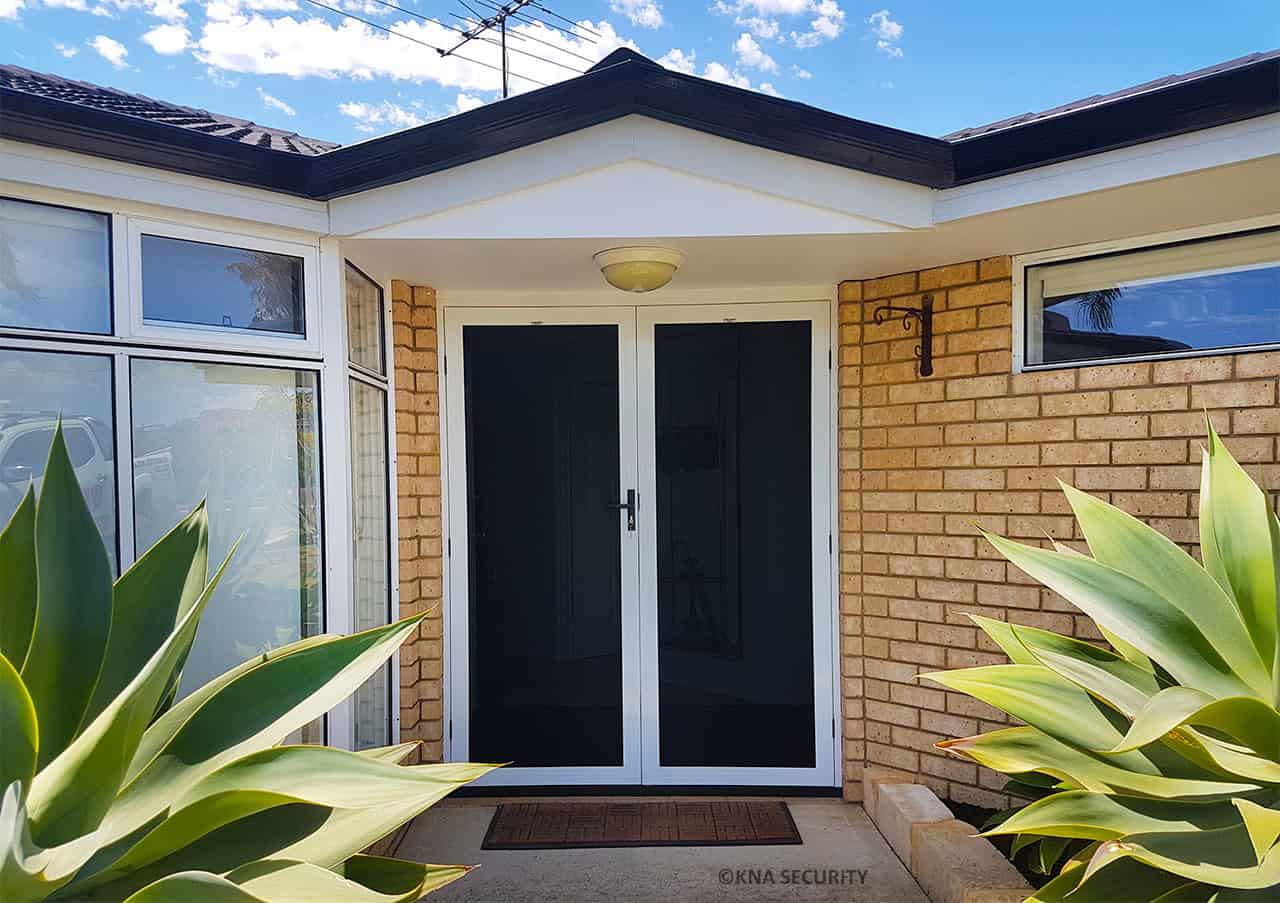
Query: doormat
[{"x": 695, "y": 823}]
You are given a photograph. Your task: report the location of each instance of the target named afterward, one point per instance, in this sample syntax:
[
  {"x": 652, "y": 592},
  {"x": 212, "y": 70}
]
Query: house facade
[{"x": 704, "y": 535}]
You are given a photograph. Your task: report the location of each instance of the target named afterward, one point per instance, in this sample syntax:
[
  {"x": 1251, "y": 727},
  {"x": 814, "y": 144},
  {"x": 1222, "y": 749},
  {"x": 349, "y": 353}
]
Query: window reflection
[
  {"x": 213, "y": 285},
  {"x": 36, "y": 388},
  {"x": 369, "y": 550},
  {"x": 55, "y": 268},
  {"x": 1223, "y": 293},
  {"x": 245, "y": 438}
]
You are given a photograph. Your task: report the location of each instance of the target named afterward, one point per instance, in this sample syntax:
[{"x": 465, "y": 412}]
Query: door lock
[{"x": 630, "y": 507}]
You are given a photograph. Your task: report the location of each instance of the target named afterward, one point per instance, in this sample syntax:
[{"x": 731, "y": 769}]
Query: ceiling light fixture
[{"x": 638, "y": 269}]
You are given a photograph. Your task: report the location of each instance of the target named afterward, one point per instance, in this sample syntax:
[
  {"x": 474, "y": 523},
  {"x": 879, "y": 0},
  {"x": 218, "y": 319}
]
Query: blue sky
[{"x": 926, "y": 67}]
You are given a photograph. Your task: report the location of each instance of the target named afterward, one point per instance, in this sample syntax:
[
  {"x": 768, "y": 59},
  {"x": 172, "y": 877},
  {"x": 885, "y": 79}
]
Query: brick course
[
  {"x": 925, "y": 461},
  {"x": 417, "y": 412}
]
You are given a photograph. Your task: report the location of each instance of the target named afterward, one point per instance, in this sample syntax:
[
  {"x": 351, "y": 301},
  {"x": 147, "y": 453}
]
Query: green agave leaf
[
  {"x": 18, "y": 581},
  {"x": 1128, "y": 608},
  {"x": 1236, "y": 551},
  {"x": 73, "y": 606},
  {"x": 1003, "y": 635},
  {"x": 1062, "y": 710},
  {"x": 19, "y": 733},
  {"x": 1049, "y": 852},
  {"x": 315, "y": 775},
  {"x": 257, "y": 709},
  {"x": 71, "y": 796},
  {"x": 1126, "y": 544},
  {"x": 1262, "y": 823},
  {"x": 1021, "y": 749},
  {"x": 1245, "y": 719},
  {"x": 394, "y": 754},
  {"x": 1223, "y": 857},
  {"x": 1100, "y": 671},
  {"x": 148, "y": 601},
  {"x": 28, "y": 872},
  {"x": 163, "y": 728},
  {"x": 1100, "y": 816},
  {"x": 195, "y": 887},
  {"x": 1191, "y": 892},
  {"x": 362, "y": 879},
  {"x": 1124, "y": 882}
]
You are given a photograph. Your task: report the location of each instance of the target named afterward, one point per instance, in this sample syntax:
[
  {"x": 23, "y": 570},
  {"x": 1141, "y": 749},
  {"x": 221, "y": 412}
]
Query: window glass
[
  {"x": 212, "y": 285},
  {"x": 1219, "y": 293},
  {"x": 36, "y": 387},
  {"x": 371, "y": 589},
  {"x": 364, "y": 321},
  {"x": 55, "y": 268},
  {"x": 246, "y": 439}
]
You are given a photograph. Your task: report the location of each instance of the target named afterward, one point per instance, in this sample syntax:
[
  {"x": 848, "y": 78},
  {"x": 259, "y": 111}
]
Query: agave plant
[
  {"x": 1154, "y": 764},
  {"x": 112, "y": 791}
]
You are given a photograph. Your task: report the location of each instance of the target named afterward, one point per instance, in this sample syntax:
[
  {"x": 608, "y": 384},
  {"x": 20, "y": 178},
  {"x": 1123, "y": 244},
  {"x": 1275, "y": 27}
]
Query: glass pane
[
  {"x": 371, "y": 585},
  {"x": 1203, "y": 295},
  {"x": 213, "y": 285},
  {"x": 55, "y": 268},
  {"x": 35, "y": 388},
  {"x": 247, "y": 439},
  {"x": 364, "y": 321},
  {"x": 735, "y": 579},
  {"x": 544, "y": 544}
]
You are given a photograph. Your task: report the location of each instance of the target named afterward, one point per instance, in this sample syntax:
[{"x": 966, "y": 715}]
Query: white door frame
[
  {"x": 459, "y": 684},
  {"x": 818, "y": 314},
  {"x": 639, "y": 549}
]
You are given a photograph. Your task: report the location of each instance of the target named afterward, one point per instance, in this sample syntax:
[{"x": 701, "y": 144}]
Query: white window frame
[
  {"x": 323, "y": 352},
  {"x": 196, "y": 335},
  {"x": 1022, "y": 262}
]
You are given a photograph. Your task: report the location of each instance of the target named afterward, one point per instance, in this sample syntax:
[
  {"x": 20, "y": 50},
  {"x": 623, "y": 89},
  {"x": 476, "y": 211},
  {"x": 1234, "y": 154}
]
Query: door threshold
[{"x": 640, "y": 790}]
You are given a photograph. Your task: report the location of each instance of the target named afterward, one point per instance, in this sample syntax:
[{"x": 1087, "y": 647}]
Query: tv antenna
[{"x": 498, "y": 20}]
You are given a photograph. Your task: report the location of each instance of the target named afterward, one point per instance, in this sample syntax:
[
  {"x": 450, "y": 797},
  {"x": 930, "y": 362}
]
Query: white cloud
[
  {"x": 465, "y": 102},
  {"x": 801, "y": 73},
  {"x": 888, "y": 32},
  {"x": 760, "y": 17},
  {"x": 9, "y": 8},
  {"x": 237, "y": 38},
  {"x": 749, "y": 54},
  {"x": 110, "y": 50},
  {"x": 379, "y": 117},
  {"x": 168, "y": 39},
  {"x": 274, "y": 103},
  {"x": 65, "y": 50},
  {"x": 677, "y": 59},
  {"x": 644, "y": 13},
  {"x": 719, "y": 72},
  {"x": 768, "y": 88}
]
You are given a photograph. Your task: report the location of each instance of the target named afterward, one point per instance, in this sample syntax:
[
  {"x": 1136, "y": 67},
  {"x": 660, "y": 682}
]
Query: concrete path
[{"x": 842, "y": 858}]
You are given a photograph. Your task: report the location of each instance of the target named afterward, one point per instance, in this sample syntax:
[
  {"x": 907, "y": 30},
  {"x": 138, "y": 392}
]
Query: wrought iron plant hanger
[{"x": 924, "y": 316}]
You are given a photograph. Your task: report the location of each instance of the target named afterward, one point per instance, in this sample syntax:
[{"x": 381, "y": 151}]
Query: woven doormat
[{"x": 697, "y": 823}]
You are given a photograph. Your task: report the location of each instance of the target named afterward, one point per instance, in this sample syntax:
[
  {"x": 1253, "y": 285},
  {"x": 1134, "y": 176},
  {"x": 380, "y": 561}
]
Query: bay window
[{"x": 196, "y": 360}]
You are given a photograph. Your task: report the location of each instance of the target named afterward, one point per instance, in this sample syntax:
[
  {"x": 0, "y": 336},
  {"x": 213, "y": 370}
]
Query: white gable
[{"x": 635, "y": 177}]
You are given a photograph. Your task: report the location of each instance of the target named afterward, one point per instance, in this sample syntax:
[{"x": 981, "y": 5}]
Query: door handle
[{"x": 630, "y": 507}]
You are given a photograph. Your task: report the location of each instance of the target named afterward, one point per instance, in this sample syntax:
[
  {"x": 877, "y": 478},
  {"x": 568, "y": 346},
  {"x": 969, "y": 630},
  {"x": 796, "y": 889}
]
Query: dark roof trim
[{"x": 626, "y": 83}]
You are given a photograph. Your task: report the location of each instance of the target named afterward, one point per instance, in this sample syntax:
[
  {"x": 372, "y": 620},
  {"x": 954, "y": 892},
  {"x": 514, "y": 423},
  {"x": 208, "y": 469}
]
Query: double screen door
[{"x": 639, "y": 529}]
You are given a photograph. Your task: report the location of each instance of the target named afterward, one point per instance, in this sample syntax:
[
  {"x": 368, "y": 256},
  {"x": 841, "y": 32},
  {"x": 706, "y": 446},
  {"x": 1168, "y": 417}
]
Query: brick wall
[
  {"x": 417, "y": 411},
  {"x": 924, "y": 460}
]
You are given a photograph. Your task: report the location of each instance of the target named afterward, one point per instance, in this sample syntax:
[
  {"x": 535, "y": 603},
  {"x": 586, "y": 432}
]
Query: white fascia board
[
  {"x": 1206, "y": 149},
  {"x": 59, "y": 170},
  {"x": 633, "y": 199},
  {"x": 836, "y": 189}
]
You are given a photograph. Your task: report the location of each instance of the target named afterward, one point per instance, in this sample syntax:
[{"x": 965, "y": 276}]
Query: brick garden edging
[{"x": 943, "y": 854}]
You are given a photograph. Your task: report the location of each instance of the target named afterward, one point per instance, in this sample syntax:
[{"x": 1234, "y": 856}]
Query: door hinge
[
  {"x": 451, "y": 729},
  {"x": 448, "y": 547},
  {"x": 833, "y": 728},
  {"x": 828, "y": 358},
  {"x": 444, "y": 363},
  {"x": 829, "y": 544}
]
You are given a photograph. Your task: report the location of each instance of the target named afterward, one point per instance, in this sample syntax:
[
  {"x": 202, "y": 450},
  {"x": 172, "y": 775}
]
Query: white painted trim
[
  {"x": 447, "y": 569},
  {"x": 393, "y": 496},
  {"x": 672, "y": 295},
  {"x": 1021, "y": 262},
  {"x": 818, "y": 313},
  {"x": 47, "y": 168},
  {"x": 1204, "y": 149},
  {"x": 457, "y": 627},
  {"x": 637, "y": 138}
]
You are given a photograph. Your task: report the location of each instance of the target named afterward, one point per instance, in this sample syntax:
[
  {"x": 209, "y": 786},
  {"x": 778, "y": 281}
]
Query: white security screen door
[{"x": 639, "y": 565}]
